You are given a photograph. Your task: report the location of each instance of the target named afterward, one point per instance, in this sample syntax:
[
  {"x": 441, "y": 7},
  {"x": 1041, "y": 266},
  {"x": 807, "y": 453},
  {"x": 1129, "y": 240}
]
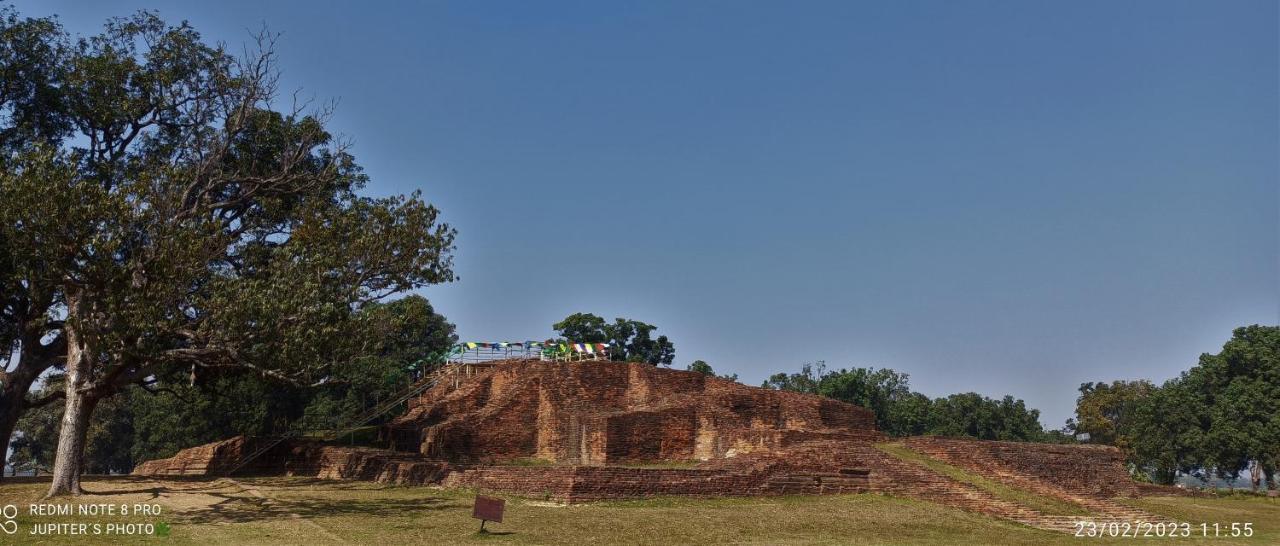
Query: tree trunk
[{"x": 69, "y": 459}]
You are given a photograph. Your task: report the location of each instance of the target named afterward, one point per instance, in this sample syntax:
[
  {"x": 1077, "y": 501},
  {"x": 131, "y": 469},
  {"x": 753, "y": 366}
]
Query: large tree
[
  {"x": 32, "y": 342},
  {"x": 190, "y": 224},
  {"x": 1108, "y": 412},
  {"x": 1220, "y": 417},
  {"x": 1238, "y": 392}
]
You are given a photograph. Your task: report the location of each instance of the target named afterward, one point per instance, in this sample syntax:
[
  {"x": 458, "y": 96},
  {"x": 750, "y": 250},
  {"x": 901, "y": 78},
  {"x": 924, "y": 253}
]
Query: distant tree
[
  {"x": 179, "y": 410},
  {"x": 1058, "y": 436},
  {"x": 883, "y": 391},
  {"x": 902, "y": 412},
  {"x": 407, "y": 331},
  {"x": 703, "y": 368},
  {"x": 908, "y": 415},
  {"x": 107, "y": 444},
  {"x": 36, "y": 441},
  {"x": 1108, "y": 413},
  {"x": 630, "y": 340},
  {"x": 1220, "y": 418},
  {"x": 582, "y": 328},
  {"x": 1240, "y": 390},
  {"x": 1166, "y": 434},
  {"x": 806, "y": 380},
  {"x": 976, "y": 416}
]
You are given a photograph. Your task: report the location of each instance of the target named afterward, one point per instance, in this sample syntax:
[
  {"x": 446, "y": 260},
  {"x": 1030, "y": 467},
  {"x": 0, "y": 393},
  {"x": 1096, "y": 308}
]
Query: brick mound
[
  {"x": 596, "y": 413},
  {"x": 209, "y": 459},
  {"x": 585, "y": 431}
]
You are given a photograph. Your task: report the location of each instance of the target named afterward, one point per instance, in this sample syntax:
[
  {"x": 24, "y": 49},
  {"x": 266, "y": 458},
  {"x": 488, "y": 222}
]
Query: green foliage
[
  {"x": 976, "y": 416},
  {"x": 30, "y": 50},
  {"x": 157, "y": 208},
  {"x": 1166, "y": 434},
  {"x": 902, "y": 412},
  {"x": 1240, "y": 389},
  {"x": 33, "y": 448},
  {"x": 703, "y": 368},
  {"x": 1222, "y": 416},
  {"x": 149, "y": 424},
  {"x": 630, "y": 340},
  {"x": 1106, "y": 411},
  {"x": 107, "y": 450}
]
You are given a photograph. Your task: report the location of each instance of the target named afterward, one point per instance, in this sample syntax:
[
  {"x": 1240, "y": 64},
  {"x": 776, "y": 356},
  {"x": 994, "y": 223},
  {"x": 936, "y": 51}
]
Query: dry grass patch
[{"x": 282, "y": 511}]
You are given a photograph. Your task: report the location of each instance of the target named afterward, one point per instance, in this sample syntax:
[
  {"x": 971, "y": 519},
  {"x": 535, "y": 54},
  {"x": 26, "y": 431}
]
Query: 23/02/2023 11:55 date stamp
[{"x": 1160, "y": 529}]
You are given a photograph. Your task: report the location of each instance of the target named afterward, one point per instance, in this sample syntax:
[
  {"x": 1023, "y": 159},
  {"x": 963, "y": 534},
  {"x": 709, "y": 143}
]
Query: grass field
[{"x": 306, "y": 511}]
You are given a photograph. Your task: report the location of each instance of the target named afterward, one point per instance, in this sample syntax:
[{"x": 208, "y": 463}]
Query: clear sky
[{"x": 1001, "y": 197}]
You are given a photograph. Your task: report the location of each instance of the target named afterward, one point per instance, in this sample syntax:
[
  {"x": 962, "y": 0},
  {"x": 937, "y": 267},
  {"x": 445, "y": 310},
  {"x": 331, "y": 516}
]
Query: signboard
[
  {"x": 488, "y": 509},
  {"x": 1082, "y": 437}
]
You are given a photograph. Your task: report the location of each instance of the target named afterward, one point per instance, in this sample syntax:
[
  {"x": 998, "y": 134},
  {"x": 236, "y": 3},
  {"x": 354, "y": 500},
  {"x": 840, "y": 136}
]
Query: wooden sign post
[{"x": 488, "y": 509}]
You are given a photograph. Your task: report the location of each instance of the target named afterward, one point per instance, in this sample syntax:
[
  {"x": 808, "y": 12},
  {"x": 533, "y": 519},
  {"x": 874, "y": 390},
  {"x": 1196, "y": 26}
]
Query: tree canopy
[
  {"x": 701, "y": 366},
  {"x": 631, "y": 340},
  {"x": 179, "y": 411},
  {"x": 902, "y": 412},
  {"x": 1222, "y": 416},
  {"x": 160, "y": 212}
]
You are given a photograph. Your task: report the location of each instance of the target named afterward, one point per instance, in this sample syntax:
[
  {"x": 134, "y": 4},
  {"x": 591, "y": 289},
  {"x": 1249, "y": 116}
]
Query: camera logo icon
[{"x": 10, "y": 513}]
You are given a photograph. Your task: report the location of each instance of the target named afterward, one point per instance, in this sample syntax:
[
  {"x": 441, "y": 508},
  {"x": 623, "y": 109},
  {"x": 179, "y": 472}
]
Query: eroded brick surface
[
  {"x": 1093, "y": 470},
  {"x": 609, "y": 412},
  {"x": 575, "y": 432}
]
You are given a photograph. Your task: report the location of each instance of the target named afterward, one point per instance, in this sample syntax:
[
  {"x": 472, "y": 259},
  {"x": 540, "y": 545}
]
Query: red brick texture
[
  {"x": 1092, "y": 470},
  {"x": 610, "y": 412},
  {"x": 592, "y": 424}
]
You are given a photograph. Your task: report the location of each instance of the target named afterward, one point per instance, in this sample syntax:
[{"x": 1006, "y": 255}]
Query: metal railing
[{"x": 349, "y": 424}]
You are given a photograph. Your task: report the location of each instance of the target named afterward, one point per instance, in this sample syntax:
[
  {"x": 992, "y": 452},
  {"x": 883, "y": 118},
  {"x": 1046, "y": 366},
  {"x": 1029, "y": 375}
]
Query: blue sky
[{"x": 1001, "y": 197}]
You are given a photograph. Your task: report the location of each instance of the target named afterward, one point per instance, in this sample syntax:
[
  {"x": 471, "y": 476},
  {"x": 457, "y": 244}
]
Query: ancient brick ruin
[
  {"x": 584, "y": 431},
  {"x": 598, "y": 413}
]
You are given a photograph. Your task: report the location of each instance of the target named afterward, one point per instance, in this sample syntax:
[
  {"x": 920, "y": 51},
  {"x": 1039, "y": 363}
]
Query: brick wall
[
  {"x": 608, "y": 412},
  {"x": 1086, "y": 469}
]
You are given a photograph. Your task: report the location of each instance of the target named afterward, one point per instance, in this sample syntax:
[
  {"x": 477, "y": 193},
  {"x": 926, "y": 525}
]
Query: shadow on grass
[
  {"x": 239, "y": 509},
  {"x": 488, "y": 533},
  {"x": 249, "y": 499}
]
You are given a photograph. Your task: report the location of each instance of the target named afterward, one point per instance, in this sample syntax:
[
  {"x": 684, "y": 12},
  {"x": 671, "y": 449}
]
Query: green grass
[
  {"x": 1045, "y": 505},
  {"x": 282, "y": 511}
]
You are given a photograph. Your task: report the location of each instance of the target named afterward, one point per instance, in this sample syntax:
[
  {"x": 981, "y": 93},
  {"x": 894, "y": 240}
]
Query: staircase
[
  {"x": 1102, "y": 510},
  {"x": 349, "y": 424},
  {"x": 910, "y": 478}
]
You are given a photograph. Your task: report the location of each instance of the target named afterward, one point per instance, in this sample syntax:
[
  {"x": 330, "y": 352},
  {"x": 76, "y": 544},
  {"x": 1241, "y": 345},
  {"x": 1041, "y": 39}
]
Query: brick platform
[
  {"x": 598, "y": 413},
  {"x": 585, "y": 431}
]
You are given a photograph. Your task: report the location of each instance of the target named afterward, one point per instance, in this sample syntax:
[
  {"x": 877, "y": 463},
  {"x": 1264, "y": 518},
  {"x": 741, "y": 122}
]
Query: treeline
[
  {"x": 903, "y": 412},
  {"x": 1218, "y": 419},
  {"x": 185, "y": 408},
  {"x": 180, "y": 410}
]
